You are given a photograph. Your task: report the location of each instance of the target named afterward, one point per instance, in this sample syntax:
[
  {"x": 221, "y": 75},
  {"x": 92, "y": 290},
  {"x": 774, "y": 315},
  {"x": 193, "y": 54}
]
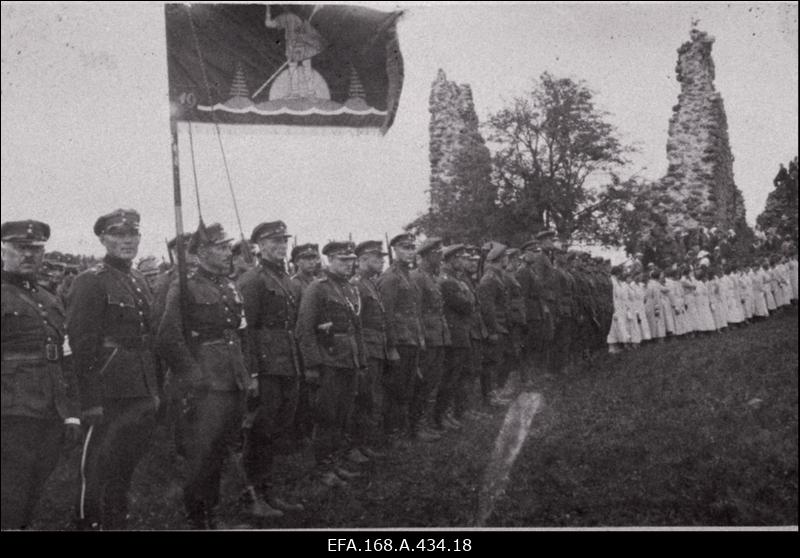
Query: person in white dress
[
  {"x": 784, "y": 282},
  {"x": 656, "y": 309},
  {"x": 730, "y": 294},
  {"x": 768, "y": 281},
  {"x": 792, "y": 265},
  {"x": 702, "y": 302},
  {"x": 639, "y": 309},
  {"x": 618, "y": 334},
  {"x": 675, "y": 297},
  {"x": 630, "y": 313},
  {"x": 719, "y": 311},
  {"x": 744, "y": 288},
  {"x": 689, "y": 301},
  {"x": 757, "y": 279}
]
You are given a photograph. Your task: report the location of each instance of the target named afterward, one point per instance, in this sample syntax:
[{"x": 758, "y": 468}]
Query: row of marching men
[{"x": 657, "y": 305}]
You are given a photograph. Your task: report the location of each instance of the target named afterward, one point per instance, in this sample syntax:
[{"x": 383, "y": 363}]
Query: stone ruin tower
[{"x": 699, "y": 188}]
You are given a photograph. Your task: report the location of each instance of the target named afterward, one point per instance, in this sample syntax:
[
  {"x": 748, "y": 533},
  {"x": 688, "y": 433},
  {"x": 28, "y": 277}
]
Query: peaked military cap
[
  {"x": 172, "y": 244},
  {"x": 272, "y": 229},
  {"x": 236, "y": 249},
  {"x": 403, "y": 238},
  {"x": 305, "y": 251},
  {"x": 370, "y": 247},
  {"x": 453, "y": 250},
  {"x": 148, "y": 265},
  {"x": 30, "y": 232},
  {"x": 473, "y": 251},
  {"x": 429, "y": 244},
  {"x": 494, "y": 250},
  {"x": 531, "y": 246},
  {"x": 336, "y": 249},
  {"x": 120, "y": 220},
  {"x": 208, "y": 235}
]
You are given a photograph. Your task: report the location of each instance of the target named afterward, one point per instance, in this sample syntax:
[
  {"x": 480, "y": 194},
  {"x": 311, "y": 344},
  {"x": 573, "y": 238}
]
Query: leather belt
[{"x": 143, "y": 342}]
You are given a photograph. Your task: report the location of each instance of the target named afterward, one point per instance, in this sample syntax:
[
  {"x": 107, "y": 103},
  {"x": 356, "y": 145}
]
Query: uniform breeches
[
  {"x": 559, "y": 353},
  {"x": 453, "y": 387},
  {"x": 497, "y": 357},
  {"x": 209, "y": 429},
  {"x": 369, "y": 403},
  {"x": 399, "y": 388},
  {"x": 333, "y": 407},
  {"x": 425, "y": 384},
  {"x": 30, "y": 453},
  {"x": 271, "y": 426},
  {"x": 111, "y": 452}
]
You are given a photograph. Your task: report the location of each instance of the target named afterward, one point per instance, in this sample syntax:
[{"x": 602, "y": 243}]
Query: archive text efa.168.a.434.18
[{"x": 399, "y": 544}]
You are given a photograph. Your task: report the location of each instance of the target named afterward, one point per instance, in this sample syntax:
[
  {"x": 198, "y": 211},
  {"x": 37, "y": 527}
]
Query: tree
[
  {"x": 550, "y": 143},
  {"x": 779, "y": 218}
]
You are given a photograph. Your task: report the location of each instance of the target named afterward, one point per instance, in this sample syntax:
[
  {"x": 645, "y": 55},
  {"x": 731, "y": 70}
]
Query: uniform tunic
[
  {"x": 212, "y": 367},
  {"x": 110, "y": 326},
  {"x": 331, "y": 342},
  {"x": 39, "y": 393}
]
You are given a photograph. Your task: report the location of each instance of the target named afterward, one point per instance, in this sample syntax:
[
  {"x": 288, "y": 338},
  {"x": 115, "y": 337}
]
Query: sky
[{"x": 85, "y": 126}]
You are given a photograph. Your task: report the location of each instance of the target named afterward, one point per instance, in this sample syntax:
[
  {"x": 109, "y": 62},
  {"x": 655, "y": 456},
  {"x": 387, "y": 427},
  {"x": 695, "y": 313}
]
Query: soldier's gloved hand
[
  {"x": 93, "y": 416},
  {"x": 73, "y": 433},
  {"x": 392, "y": 355}
]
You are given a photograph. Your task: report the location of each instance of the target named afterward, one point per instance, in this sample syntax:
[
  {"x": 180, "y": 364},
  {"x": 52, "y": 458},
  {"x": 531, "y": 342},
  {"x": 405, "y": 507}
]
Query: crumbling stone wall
[{"x": 699, "y": 188}]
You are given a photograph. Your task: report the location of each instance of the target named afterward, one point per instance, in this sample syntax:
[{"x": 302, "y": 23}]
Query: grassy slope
[{"x": 660, "y": 436}]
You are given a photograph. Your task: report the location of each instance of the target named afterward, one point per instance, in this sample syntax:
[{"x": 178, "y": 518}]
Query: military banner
[{"x": 297, "y": 65}]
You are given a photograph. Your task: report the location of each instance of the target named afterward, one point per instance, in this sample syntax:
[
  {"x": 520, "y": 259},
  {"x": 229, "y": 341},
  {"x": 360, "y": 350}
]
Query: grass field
[{"x": 701, "y": 431}]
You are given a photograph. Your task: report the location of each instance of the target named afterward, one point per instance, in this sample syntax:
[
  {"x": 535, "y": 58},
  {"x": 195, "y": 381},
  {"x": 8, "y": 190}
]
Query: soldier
[
  {"x": 305, "y": 258},
  {"x": 537, "y": 310},
  {"x": 270, "y": 306},
  {"x": 496, "y": 310},
  {"x": 478, "y": 337},
  {"x": 329, "y": 333},
  {"x": 162, "y": 283},
  {"x": 565, "y": 323},
  {"x": 110, "y": 330},
  {"x": 369, "y": 404},
  {"x": 458, "y": 302},
  {"x": 208, "y": 359},
  {"x": 149, "y": 268},
  {"x": 437, "y": 335},
  {"x": 39, "y": 402},
  {"x": 243, "y": 259},
  {"x": 404, "y": 336},
  {"x": 517, "y": 327}
]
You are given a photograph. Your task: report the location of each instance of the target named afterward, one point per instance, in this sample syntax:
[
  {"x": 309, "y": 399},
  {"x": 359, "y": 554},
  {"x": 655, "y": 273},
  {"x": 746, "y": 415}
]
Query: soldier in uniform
[
  {"x": 478, "y": 337},
  {"x": 369, "y": 405},
  {"x": 329, "y": 333},
  {"x": 39, "y": 404},
  {"x": 203, "y": 347},
  {"x": 537, "y": 311},
  {"x": 270, "y": 306},
  {"x": 517, "y": 327},
  {"x": 458, "y": 302},
  {"x": 404, "y": 335},
  {"x": 149, "y": 268},
  {"x": 164, "y": 280},
  {"x": 306, "y": 260},
  {"x": 437, "y": 336},
  {"x": 109, "y": 322},
  {"x": 495, "y": 304},
  {"x": 565, "y": 323},
  {"x": 243, "y": 259}
]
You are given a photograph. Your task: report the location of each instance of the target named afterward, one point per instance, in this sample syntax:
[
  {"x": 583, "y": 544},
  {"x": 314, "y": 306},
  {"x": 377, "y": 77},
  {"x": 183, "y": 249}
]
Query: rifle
[{"x": 388, "y": 249}]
